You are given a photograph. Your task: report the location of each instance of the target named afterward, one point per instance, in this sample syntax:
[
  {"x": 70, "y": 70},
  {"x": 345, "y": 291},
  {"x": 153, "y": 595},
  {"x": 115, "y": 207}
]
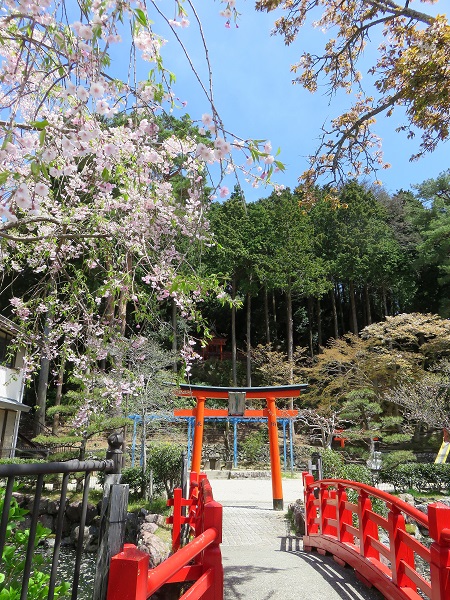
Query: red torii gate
[{"x": 269, "y": 394}]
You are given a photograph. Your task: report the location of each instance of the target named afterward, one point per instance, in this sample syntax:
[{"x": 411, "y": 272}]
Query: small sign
[{"x": 236, "y": 403}]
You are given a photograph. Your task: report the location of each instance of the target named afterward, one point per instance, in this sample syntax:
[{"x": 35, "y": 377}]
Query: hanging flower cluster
[{"x": 96, "y": 183}]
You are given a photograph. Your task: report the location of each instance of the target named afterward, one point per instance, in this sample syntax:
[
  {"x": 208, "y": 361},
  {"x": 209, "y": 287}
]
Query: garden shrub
[
  {"x": 253, "y": 446},
  {"x": 391, "y": 460},
  {"x": 419, "y": 477},
  {"x": 353, "y": 472},
  {"x": 332, "y": 464},
  {"x": 164, "y": 460},
  {"x": 335, "y": 467},
  {"x": 135, "y": 478}
]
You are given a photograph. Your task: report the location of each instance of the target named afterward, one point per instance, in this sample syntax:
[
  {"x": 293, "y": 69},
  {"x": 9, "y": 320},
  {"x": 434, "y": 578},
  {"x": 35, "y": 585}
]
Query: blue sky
[{"x": 256, "y": 99}]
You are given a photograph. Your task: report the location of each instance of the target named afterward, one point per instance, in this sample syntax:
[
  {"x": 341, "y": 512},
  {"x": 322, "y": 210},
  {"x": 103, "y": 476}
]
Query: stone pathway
[{"x": 261, "y": 563}]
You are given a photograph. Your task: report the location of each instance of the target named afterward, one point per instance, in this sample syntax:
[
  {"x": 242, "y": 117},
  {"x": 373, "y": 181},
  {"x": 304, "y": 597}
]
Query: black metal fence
[{"x": 12, "y": 473}]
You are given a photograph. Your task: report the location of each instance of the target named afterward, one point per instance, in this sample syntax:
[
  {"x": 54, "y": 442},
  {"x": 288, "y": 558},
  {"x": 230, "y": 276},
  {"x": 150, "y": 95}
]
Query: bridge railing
[
  {"x": 198, "y": 562},
  {"x": 340, "y": 519}
]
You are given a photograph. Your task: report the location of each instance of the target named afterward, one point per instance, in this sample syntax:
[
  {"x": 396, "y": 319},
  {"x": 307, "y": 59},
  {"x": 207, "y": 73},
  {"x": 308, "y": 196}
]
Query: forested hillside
[
  {"x": 305, "y": 276},
  {"x": 278, "y": 281}
]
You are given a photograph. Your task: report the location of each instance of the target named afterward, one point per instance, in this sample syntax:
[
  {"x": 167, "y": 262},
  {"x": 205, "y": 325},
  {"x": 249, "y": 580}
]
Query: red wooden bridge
[{"x": 357, "y": 524}]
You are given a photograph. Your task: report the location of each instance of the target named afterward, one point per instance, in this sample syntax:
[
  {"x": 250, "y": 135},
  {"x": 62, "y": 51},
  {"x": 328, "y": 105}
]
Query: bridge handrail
[
  {"x": 199, "y": 561},
  {"x": 350, "y": 531},
  {"x": 415, "y": 514}
]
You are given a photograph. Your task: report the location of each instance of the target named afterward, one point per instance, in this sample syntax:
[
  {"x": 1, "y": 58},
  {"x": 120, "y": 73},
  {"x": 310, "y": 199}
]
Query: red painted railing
[
  {"x": 199, "y": 561},
  {"x": 378, "y": 546}
]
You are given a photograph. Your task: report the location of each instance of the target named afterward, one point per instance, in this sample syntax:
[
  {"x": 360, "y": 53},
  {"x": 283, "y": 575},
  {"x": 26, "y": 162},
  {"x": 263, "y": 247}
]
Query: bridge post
[
  {"x": 311, "y": 526},
  {"x": 439, "y": 521},
  {"x": 401, "y": 552},
  {"x": 128, "y": 575},
  {"x": 368, "y": 529},
  {"x": 344, "y": 516},
  {"x": 212, "y": 557},
  {"x": 328, "y": 511}
]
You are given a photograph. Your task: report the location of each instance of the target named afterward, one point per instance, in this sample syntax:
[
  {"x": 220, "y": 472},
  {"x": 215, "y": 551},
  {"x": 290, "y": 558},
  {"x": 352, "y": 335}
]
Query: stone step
[{"x": 237, "y": 474}]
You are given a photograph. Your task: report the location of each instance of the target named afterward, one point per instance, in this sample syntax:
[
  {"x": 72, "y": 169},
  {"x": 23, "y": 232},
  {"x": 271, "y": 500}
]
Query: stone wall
[{"x": 140, "y": 529}]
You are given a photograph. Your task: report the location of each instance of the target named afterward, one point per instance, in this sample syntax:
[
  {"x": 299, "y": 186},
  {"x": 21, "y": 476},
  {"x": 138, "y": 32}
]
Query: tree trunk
[
  {"x": 109, "y": 317},
  {"x": 340, "y": 298},
  {"x": 249, "y": 345},
  {"x": 174, "y": 336},
  {"x": 290, "y": 339},
  {"x": 353, "y": 318},
  {"x": 384, "y": 298},
  {"x": 59, "y": 387},
  {"x": 310, "y": 326},
  {"x": 233, "y": 333},
  {"x": 44, "y": 372},
  {"x": 368, "y": 310},
  {"x": 274, "y": 312},
  {"x": 335, "y": 316},
  {"x": 144, "y": 450},
  {"x": 266, "y": 313},
  {"x": 290, "y": 324},
  {"x": 319, "y": 323},
  {"x": 124, "y": 295}
]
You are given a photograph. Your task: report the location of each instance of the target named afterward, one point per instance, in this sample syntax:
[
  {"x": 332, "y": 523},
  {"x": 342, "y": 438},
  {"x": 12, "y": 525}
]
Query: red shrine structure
[{"x": 236, "y": 397}]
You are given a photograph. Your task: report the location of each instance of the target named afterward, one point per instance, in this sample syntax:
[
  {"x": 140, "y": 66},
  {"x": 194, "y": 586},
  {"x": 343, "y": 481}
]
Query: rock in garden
[
  {"x": 149, "y": 527},
  {"x": 74, "y": 509},
  {"x": 53, "y": 507},
  {"x": 160, "y": 520},
  {"x": 154, "y": 547}
]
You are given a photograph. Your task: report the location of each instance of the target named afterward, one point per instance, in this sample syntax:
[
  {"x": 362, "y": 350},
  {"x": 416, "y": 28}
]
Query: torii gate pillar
[
  {"x": 275, "y": 465},
  {"x": 198, "y": 434}
]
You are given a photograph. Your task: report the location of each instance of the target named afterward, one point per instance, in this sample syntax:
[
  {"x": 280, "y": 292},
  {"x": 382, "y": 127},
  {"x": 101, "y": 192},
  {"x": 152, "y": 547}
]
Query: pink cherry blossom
[
  {"x": 207, "y": 119},
  {"x": 83, "y": 94},
  {"x": 97, "y": 90},
  {"x": 42, "y": 189},
  {"x": 223, "y": 192}
]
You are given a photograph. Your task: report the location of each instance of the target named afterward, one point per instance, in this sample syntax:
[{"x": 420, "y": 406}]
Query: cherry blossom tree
[
  {"x": 410, "y": 72},
  {"x": 92, "y": 213}
]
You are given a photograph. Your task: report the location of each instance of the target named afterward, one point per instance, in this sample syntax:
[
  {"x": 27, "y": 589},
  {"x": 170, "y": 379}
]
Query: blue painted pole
[
  {"x": 284, "y": 443},
  {"x": 235, "y": 447},
  {"x": 291, "y": 442},
  {"x": 133, "y": 445},
  {"x": 189, "y": 444}
]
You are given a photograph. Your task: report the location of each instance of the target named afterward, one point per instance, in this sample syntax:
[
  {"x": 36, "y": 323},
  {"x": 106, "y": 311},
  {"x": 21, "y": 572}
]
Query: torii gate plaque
[{"x": 269, "y": 394}]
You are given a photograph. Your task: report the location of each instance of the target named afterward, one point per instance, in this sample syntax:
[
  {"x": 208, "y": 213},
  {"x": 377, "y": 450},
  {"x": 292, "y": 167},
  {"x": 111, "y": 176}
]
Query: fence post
[
  {"x": 128, "y": 574},
  {"x": 310, "y": 509},
  {"x": 328, "y": 511},
  {"x": 400, "y": 552},
  {"x": 367, "y": 528},
  {"x": 112, "y": 518},
  {"x": 344, "y": 516},
  {"x": 212, "y": 557},
  {"x": 115, "y": 451},
  {"x": 438, "y": 522},
  {"x": 177, "y": 503}
]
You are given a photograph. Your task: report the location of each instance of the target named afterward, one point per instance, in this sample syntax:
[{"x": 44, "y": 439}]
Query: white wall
[{"x": 11, "y": 384}]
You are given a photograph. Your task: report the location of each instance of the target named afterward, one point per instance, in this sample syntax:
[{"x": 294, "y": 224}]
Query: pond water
[{"x": 87, "y": 571}]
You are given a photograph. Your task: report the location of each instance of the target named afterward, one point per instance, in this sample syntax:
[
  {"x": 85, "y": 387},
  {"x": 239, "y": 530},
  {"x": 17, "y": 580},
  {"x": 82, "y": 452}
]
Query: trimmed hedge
[{"x": 420, "y": 477}]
